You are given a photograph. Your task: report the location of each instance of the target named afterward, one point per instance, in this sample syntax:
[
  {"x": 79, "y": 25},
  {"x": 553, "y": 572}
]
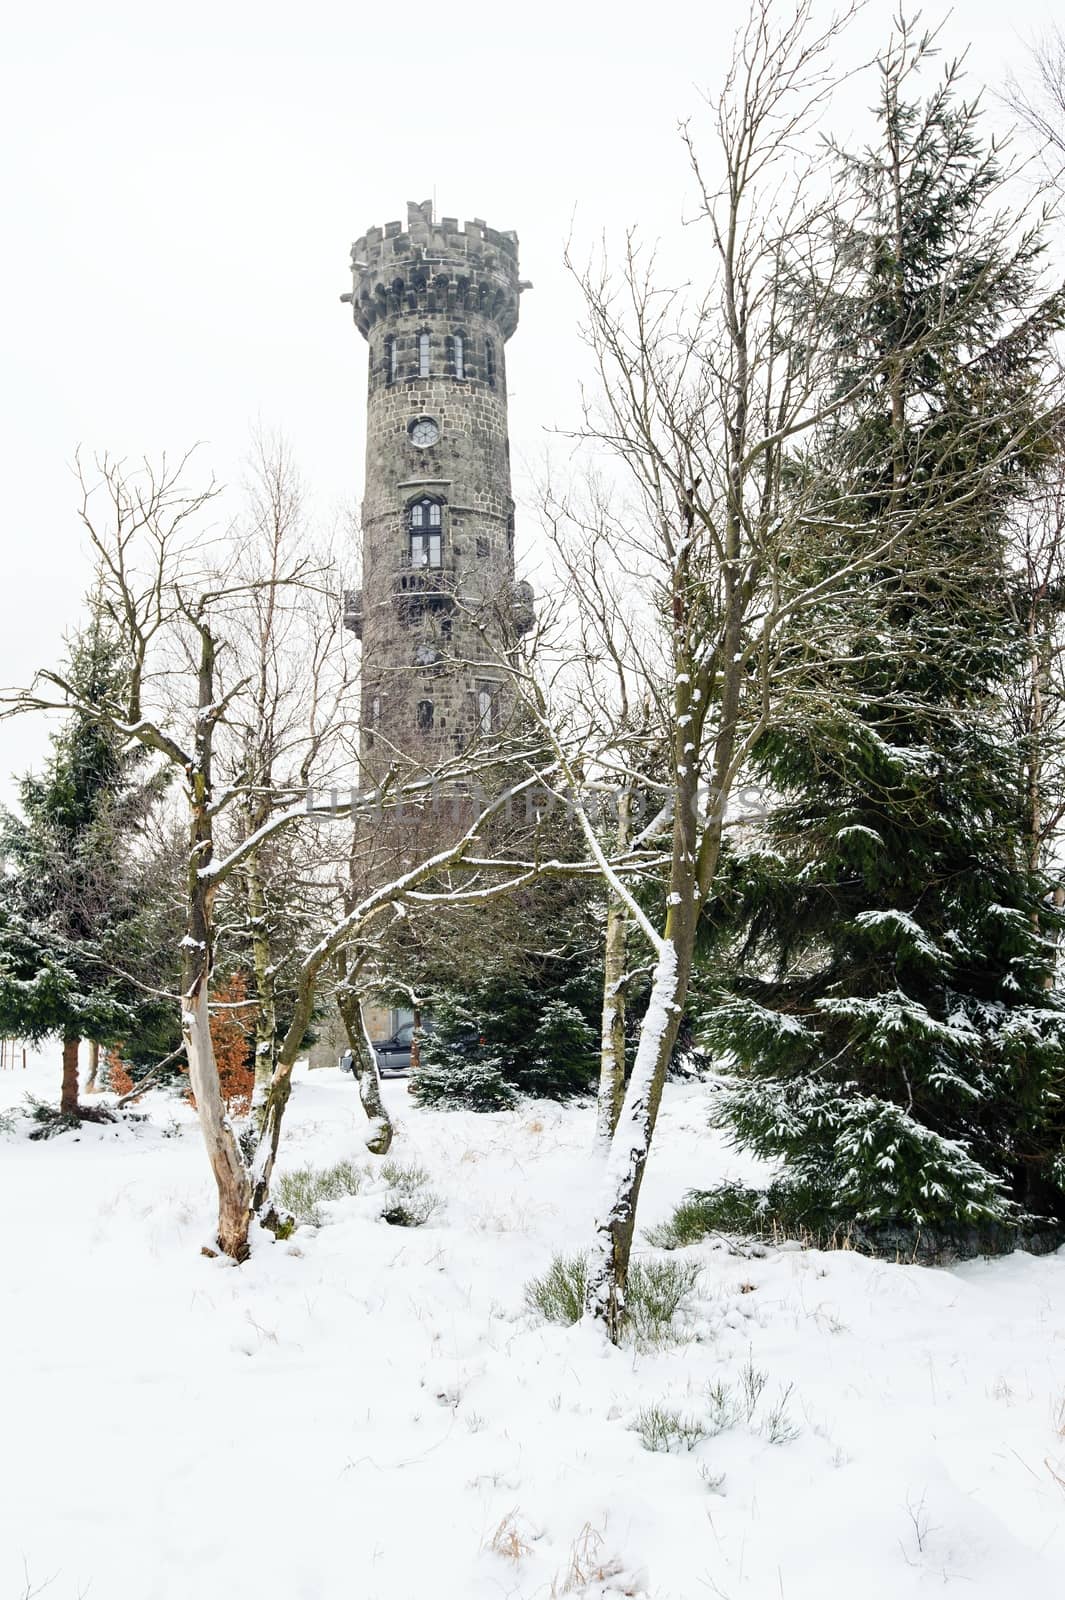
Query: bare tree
[
  {"x": 615, "y": 686},
  {"x": 1038, "y": 98},
  {"x": 291, "y": 732},
  {"x": 180, "y": 603},
  {"x": 1037, "y": 701}
]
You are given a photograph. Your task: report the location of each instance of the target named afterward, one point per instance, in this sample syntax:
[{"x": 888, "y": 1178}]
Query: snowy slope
[{"x": 370, "y": 1412}]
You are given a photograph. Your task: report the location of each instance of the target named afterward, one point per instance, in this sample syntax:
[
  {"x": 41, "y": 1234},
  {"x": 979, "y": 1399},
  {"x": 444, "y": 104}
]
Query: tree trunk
[
  {"x": 265, "y": 986},
  {"x": 1039, "y": 646},
  {"x": 612, "y": 1032},
  {"x": 280, "y": 1088},
  {"x": 609, "y": 1267},
  {"x": 694, "y": 862},
  {"x": 612, "y": 1036},
  {"x": 415, "y": 1042},
  {"x": 94, "y": 1067},
  {"x": 364, "y": 1060},
  {"x": 68, "y": 1098},
  {"x": 223, "y": 1151},
  {"x": 273, "y": 1112}
]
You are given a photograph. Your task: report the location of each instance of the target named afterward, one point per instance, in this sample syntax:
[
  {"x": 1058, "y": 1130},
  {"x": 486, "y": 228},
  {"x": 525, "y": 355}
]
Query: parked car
[{"x": 393, "y": 1055}]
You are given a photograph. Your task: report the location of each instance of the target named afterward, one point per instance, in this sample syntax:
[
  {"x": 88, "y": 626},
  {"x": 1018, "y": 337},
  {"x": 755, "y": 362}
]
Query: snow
[{"x": 359, "y": 1412}]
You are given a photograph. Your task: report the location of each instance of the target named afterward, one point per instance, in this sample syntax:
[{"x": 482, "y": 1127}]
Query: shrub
[
  {"x": 409, "y": 1202},
  {"x": 563, "y": 1053},
  {"x": 777, "y": 1426},
  {"x": 305, "y": 1190},
  {"x": 501, "y": 1038},
  {"x": 661, "y": 1428},
  {"x": 653, "y": 1297},
  {"x": 49, "y": 1121},
  {"x": 727, "y": 1406},
  {"x": 445, "y": 1078},
  {"x": 559, "y": 1295},
  {"x": 781, "y": 1211},
  {"x": 233, "y": 1038},
  {"x": 116, "y": 1075}
]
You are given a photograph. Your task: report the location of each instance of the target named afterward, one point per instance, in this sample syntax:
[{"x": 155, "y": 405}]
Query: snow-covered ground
[{"x": 370, "y": 1413}]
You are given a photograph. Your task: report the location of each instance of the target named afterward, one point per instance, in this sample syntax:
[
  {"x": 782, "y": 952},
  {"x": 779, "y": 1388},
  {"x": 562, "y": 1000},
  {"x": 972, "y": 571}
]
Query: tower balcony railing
[
  {"x": 353, "y": 611},
  {"x": 416, "y": 584}
]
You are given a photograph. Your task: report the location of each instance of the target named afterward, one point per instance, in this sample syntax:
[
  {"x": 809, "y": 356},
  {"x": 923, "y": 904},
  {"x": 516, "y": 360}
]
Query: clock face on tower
[{"x": 424, "y": 432}]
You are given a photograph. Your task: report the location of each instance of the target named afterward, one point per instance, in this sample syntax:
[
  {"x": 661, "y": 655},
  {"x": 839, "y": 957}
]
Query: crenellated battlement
[{"x": 435, "y": 266}]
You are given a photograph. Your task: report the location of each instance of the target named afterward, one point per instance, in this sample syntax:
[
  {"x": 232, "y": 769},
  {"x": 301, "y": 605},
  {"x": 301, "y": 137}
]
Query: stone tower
[{"x": 436, "y": 304}]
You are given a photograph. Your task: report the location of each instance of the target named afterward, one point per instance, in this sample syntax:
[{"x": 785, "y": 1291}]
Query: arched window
[
  {"x": 426, "y": 526},
  {"x": 487, "y": 707},
  {"x": 375, "y": 718},
  {"x": 425, "y": 716},
  {"x": 490, "y": 363},
  {"x": 391, "y": 360},
  {"x": 458, "y": 355},
  {"x": 423, "y": 355}
]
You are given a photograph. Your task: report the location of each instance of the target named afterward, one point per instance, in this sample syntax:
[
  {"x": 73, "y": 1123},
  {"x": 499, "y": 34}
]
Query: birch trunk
[
  {"x": 94, "y": 1067},
  {"x": 612, "y": 1247},
  {"x": 378, "y": 1137},
  {"x": 612, "y": 1032},
  {"x": 223, "y": 1152}
]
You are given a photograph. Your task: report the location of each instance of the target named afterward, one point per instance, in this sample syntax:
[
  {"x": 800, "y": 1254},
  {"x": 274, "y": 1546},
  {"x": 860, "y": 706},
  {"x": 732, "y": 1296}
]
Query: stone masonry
[{"x": 436, "y": 304}]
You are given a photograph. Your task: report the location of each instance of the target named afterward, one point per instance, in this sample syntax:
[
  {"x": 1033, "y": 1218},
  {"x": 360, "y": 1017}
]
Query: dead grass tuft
[
  {"x": 589, "y": 1564},
  {"x": 508, "y": 1541}
]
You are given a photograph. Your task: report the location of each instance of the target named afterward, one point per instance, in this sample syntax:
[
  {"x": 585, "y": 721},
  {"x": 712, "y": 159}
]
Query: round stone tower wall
[{"x": 436, "y": 304}]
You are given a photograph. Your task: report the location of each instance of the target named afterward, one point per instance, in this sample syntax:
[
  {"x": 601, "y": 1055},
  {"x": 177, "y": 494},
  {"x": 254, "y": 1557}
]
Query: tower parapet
[{"x": 431, "y": 267}]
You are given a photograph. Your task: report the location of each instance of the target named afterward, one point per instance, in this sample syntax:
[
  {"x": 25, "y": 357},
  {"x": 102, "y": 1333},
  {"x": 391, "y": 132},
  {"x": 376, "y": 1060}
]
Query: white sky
[{"x": 181, "y": 186}]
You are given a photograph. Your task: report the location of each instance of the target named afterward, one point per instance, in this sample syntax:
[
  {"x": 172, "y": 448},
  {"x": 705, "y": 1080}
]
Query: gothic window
[
  {"x": 425, "y": 716},
  {"x": 426, "y": 530},
  {"x": 391, "y": 360},
  {"x": 482, "y": 544},
  {"x": 423, "y": 355},
  {"x": 458, "y": 355},
  {"x": 487, "y": 707},
  {"x": 490, "y": 363}
]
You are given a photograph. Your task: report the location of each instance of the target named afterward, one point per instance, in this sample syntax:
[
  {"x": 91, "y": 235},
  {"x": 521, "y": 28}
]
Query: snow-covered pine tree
[
  {"x": 897, "y": 1044},
  {"x": 68, "y": 904}
]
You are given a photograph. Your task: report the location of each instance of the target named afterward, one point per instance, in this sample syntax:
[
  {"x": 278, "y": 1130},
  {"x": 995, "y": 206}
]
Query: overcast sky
[{"x": 181, "y": 185}]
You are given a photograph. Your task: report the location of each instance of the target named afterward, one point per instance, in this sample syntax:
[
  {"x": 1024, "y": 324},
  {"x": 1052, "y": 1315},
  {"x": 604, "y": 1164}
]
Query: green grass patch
[
  {"x": 654, "y": 1295},
  {"x": 304, "y": 1191},
  {"x": 663, "y": 1429},
  {"x": 781, "y": 1211},
  {"x": 409, "y": 1202},
  {"x": 559, "y": 1294}
]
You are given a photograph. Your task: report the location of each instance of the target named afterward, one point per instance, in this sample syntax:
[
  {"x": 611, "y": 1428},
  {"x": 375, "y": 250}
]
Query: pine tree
[
  {"x": 897, "y": 1040},
  {"x": 66, "y": 898}
]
